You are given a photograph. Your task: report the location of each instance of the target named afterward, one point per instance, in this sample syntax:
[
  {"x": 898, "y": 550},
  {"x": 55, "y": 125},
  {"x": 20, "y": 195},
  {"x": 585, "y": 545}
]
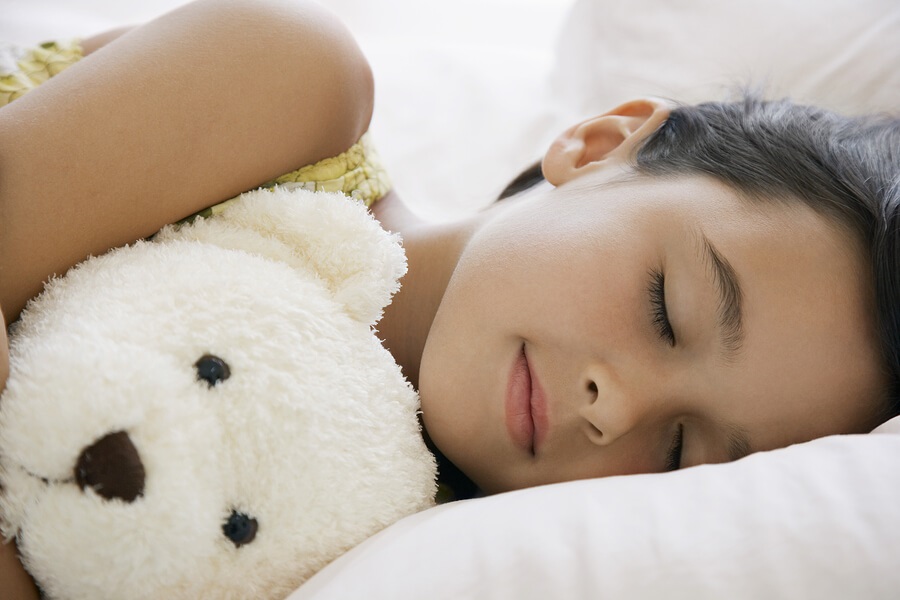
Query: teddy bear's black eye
[
  {"x": 212, "y": 369},
  {"x": 240, "y": 529}
]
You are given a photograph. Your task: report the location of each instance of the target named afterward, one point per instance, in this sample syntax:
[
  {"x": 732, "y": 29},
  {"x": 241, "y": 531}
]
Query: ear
[{"x": 610, "y": 138}]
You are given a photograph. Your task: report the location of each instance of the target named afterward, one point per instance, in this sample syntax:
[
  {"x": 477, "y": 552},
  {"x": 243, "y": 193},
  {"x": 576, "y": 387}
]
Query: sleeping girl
[{"x": 674, "y": 286}]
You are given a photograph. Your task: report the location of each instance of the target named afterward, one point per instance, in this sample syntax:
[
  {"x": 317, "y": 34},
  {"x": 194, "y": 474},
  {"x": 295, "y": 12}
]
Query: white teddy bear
[{"x": 210, "y": 414}]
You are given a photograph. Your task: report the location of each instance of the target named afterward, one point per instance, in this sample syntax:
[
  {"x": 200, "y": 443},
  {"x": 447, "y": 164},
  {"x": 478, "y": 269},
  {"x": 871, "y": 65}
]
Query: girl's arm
[
  {"x": 195, "y": 107},
  {"x": 162, "y": 121}
]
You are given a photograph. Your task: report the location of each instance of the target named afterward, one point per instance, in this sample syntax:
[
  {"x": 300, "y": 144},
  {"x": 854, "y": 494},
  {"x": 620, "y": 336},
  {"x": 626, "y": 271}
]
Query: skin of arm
[
  {"x": 193, "y": 108},
  {"x": 161, "y": 121}
]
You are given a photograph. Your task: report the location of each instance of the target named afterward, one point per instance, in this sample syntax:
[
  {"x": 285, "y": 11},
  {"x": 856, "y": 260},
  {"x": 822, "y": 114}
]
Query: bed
[{"x": 816, "y": 520}]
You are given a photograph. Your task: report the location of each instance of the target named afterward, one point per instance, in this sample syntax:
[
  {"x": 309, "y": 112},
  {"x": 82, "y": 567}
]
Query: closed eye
[
  {"x": 659, "y": 314},
  {"x": 673, "y": 460}
]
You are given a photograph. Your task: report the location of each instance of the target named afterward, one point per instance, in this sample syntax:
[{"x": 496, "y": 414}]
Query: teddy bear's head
[{"x": 211, "y": 414}]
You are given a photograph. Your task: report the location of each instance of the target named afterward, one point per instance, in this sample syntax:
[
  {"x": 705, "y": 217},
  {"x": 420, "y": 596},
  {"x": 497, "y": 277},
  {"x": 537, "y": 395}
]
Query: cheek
[
  {"x": 576, "y": 292},
  {"x": 545, "y": 270}
]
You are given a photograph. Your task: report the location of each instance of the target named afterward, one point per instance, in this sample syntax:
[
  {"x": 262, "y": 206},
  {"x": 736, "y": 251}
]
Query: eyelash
[
  {"x": 673, "y": 462},
  {"x": 658, "y": 303},
  {"x": 661, "y": 321}
]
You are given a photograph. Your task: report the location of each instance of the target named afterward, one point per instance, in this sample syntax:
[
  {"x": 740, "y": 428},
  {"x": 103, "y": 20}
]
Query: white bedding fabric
[
  {"x": 841, "y": 54},
  {"x": 469, "y": 91},
  {"x": 818, "y": 520}
]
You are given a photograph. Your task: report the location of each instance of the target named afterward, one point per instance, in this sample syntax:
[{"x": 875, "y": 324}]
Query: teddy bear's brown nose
[{"x": 111, "y": 467}]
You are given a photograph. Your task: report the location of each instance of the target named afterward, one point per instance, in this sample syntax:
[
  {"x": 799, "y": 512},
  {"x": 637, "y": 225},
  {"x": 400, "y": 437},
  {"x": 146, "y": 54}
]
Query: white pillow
[
  {"x": 841, "y": 54},
  {"x": 817, "y": 520}
]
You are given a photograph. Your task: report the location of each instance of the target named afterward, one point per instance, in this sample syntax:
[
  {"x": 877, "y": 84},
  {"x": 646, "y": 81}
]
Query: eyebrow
[{"x": 730, "y": 304}]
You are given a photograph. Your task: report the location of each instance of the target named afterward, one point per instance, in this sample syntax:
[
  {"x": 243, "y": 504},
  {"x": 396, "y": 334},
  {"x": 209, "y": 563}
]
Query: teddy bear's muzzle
[{"x": 111, "y": 467}]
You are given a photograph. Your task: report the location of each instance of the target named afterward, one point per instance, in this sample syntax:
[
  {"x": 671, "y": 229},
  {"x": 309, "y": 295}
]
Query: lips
[{"x": 526, "y": 414}]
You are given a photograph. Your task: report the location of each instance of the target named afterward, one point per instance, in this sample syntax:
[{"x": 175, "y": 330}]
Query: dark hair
[{"x": 845, "y": 168}]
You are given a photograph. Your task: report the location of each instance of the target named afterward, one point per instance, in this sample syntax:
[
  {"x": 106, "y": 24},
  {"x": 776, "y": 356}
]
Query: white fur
[{"x": 314, "y": 434}]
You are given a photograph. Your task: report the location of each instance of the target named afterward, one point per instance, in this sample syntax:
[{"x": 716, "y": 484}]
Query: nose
[
  {"x": 611, "y": 406},
  {"x": 111, "y": 467}
]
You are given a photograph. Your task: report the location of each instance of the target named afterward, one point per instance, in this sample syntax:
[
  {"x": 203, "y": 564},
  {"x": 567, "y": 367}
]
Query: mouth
[{"x": 526, "y": 415}]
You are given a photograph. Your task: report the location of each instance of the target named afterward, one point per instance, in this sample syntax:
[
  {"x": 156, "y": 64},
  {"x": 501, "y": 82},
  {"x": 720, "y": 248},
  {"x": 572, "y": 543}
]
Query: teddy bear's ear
[{"x": 327, "y": 233}]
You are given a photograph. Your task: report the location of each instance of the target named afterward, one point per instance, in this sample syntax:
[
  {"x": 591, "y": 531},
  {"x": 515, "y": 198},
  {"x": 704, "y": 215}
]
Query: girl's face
[{"x": 645, "y": 326}]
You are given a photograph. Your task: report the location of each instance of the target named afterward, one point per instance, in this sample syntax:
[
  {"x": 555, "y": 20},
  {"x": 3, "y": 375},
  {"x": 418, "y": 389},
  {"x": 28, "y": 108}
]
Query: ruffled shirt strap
[
  {"x": 356, "y": 172},
  {"x": 23, "y": 69}
]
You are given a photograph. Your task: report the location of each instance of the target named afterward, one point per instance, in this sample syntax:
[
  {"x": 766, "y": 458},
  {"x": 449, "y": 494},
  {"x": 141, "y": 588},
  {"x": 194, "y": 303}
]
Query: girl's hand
[{"x": 15, "y": 583}]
